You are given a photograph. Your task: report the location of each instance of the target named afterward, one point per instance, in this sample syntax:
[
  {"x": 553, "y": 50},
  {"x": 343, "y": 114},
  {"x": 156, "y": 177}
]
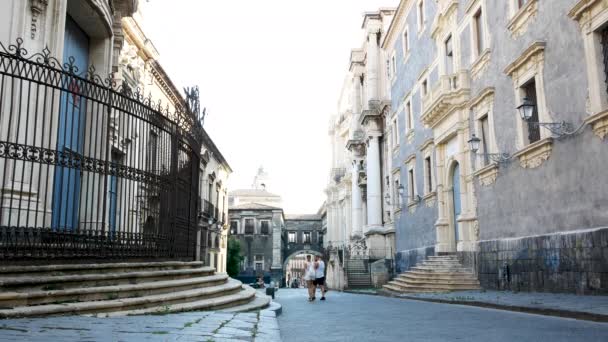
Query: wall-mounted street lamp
[
  {"x": 496, "y": 157},
  {"x": 526, "y": 111}
]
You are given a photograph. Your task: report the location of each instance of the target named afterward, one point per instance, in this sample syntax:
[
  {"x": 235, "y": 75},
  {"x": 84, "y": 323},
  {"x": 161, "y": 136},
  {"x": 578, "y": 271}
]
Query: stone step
[
  {"x": 13, "y": 299},
  {"x": 436, "y": 285},
  {"x": 259, "y": 302},
  {"x": 242, "y": 297},
  {"x": 398, "y": 289},
  {"x": 225, "y": 292},
  {"x": 453, "y": 277},
  {"x": 442, "y": 269},
  {"x": 470, "y": 280},
  {"x": 439, "y": 274},
  {"x": 441, "y": 263},
  {"x": 442, "y": 257},
  {"x": 433, "y": 287},
  {"x": 60, "y": 282},
  {"x": 72, "y": 269}
]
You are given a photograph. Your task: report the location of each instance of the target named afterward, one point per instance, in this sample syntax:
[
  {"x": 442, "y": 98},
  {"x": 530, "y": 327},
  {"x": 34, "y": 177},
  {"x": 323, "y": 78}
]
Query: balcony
[
  {"x": 452, "y": 92},
  {"x": 208, "y": 210}
]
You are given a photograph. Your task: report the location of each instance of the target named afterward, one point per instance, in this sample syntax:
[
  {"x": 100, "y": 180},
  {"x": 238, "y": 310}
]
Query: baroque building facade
[
  {"x": 359, "y": 205},
  {"x": 500, "y": 112}
]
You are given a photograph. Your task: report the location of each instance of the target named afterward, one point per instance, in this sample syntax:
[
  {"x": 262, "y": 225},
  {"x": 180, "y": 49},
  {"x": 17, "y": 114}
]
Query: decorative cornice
[
  {"x": 426, "y": 144},
  {"x": 585, "y": 11},
  {"x": 599, "y": 123},
  {"x": 534, "y": 155},
  {"x": 400, "y": 13},
  {"x": 409, "y": 158},
  {"x": 443, "y": 18},
  {"x": 533, "y": 50},
  {"x": 480, "y": 64},
  {"x": 518, "y": 24},
  {"x": 430, "y": 199},
  {"x": 485, "y": 95}
]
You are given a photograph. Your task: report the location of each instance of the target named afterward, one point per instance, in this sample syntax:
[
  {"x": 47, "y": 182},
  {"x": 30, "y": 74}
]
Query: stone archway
[{"x": 285, "y": 276}]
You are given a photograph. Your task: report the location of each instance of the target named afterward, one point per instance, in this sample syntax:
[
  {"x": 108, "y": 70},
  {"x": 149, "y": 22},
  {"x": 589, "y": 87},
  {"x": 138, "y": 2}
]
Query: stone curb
[
  {"x": 586, "y": 316},
  {"x": 276, "y": 307}
]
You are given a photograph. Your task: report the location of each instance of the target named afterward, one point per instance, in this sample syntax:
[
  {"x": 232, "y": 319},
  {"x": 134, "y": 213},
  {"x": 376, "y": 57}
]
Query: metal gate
[{"x": 128, "y": 176}]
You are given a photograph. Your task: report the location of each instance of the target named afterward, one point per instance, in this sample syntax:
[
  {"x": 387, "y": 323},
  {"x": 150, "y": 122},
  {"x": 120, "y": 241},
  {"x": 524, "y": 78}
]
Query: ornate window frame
[
  {"x": 521, "y": 17},
  {"x": 479, "y": 59},
  {"x": 481, "y": 107},
  {"x": 427, "y": 149},
  {"x": 530, "y": 66},
  {"x": 397, "y": 200},
  {"x": 408, "y": 114},
  {"x": 421, "y": 18},
  {"x": 410, "y": 166},
  {"x": 592, "y": 16},
  {"x": 405, "y": 42}
]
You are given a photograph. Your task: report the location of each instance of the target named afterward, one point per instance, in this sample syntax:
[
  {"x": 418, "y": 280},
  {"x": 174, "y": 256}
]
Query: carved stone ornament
[
  {"x": 521, "y": 19},
  {"x": 599, "y": 122},
  {"x": 487, "y": 175},
  {"x": 534, "y": 155},
  {"x": 476, "y": 229},
  {"x": 38, "y": 8}
]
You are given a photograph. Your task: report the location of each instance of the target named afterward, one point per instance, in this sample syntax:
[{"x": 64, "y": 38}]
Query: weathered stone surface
[
  {"x": 574, "y": 262},
  {"x": 191, "y": 326}
]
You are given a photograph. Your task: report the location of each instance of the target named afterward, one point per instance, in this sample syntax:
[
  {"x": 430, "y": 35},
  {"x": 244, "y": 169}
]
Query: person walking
[
  {"x": 309, "y": 277},
  {"x": 319, "y": 277}
]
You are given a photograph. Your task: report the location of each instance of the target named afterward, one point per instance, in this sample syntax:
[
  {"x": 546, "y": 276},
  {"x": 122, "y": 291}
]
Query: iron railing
[{"x": 89, "y": 168}]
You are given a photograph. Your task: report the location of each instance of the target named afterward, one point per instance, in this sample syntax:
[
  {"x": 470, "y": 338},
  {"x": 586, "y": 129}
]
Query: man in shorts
[{"x": 320, "y": 276}]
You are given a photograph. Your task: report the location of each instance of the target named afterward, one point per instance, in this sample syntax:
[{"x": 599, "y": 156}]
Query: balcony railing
[
  {"x": 450, "y": 92},
  {"x": 208, "y": 210}
]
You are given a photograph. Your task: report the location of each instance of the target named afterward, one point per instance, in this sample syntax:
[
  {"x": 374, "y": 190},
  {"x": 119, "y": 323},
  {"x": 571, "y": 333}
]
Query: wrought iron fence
[{"x": 89, "y": 168}]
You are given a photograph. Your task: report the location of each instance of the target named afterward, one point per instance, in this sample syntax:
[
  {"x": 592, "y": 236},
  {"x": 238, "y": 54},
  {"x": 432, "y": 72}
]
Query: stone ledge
[
  {"x": 599, "y": 123},
  {"x": 487, "y": 175},
  {"x": 534, "y": 155},
  {"x": 480, "y": 64}
]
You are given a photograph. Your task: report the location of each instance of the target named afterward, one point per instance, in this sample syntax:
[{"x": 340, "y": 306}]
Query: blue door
[
  {"x": 66, "y": 192},
  {"x": 456, "y": 198},
  {"x": 114, "y": 215}
]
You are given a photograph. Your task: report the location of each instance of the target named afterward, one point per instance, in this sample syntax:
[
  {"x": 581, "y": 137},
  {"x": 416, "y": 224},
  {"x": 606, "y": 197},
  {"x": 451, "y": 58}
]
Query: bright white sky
[{"x": 270, "y": 73}]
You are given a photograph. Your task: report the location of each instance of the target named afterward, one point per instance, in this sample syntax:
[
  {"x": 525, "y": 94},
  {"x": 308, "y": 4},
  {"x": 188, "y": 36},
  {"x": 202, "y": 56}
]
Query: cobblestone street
[
  {"x": 192, "y": 326},
  {"x": 355, "y": 317}
]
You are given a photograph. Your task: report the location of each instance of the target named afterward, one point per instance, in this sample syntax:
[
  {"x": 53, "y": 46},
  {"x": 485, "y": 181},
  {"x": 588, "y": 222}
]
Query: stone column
[
  {"x": 357, "y": 202},
  {"x": 374, "y": 184},
  {"x": 277, "y": 230},
  {"x": 371, "y": 67}
]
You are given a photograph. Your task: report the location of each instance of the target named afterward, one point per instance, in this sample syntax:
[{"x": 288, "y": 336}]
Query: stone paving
[
  {"x": 358, "y": 317},
  {"x": 187, "y": 327},
  {"x": 597, "y": 305}
]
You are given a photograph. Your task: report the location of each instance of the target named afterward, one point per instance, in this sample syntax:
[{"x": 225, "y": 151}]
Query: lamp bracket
[
  {"x": 497, "y": 157},
  {"x": 558, "y": 129}
]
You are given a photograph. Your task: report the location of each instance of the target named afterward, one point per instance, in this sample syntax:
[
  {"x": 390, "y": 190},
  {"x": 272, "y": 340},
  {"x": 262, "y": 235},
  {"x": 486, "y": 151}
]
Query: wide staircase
[
  {"x": 436, "y": 274},
  {"x": 358, "y": 274},
  {"x": 121, "y": 289}
]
